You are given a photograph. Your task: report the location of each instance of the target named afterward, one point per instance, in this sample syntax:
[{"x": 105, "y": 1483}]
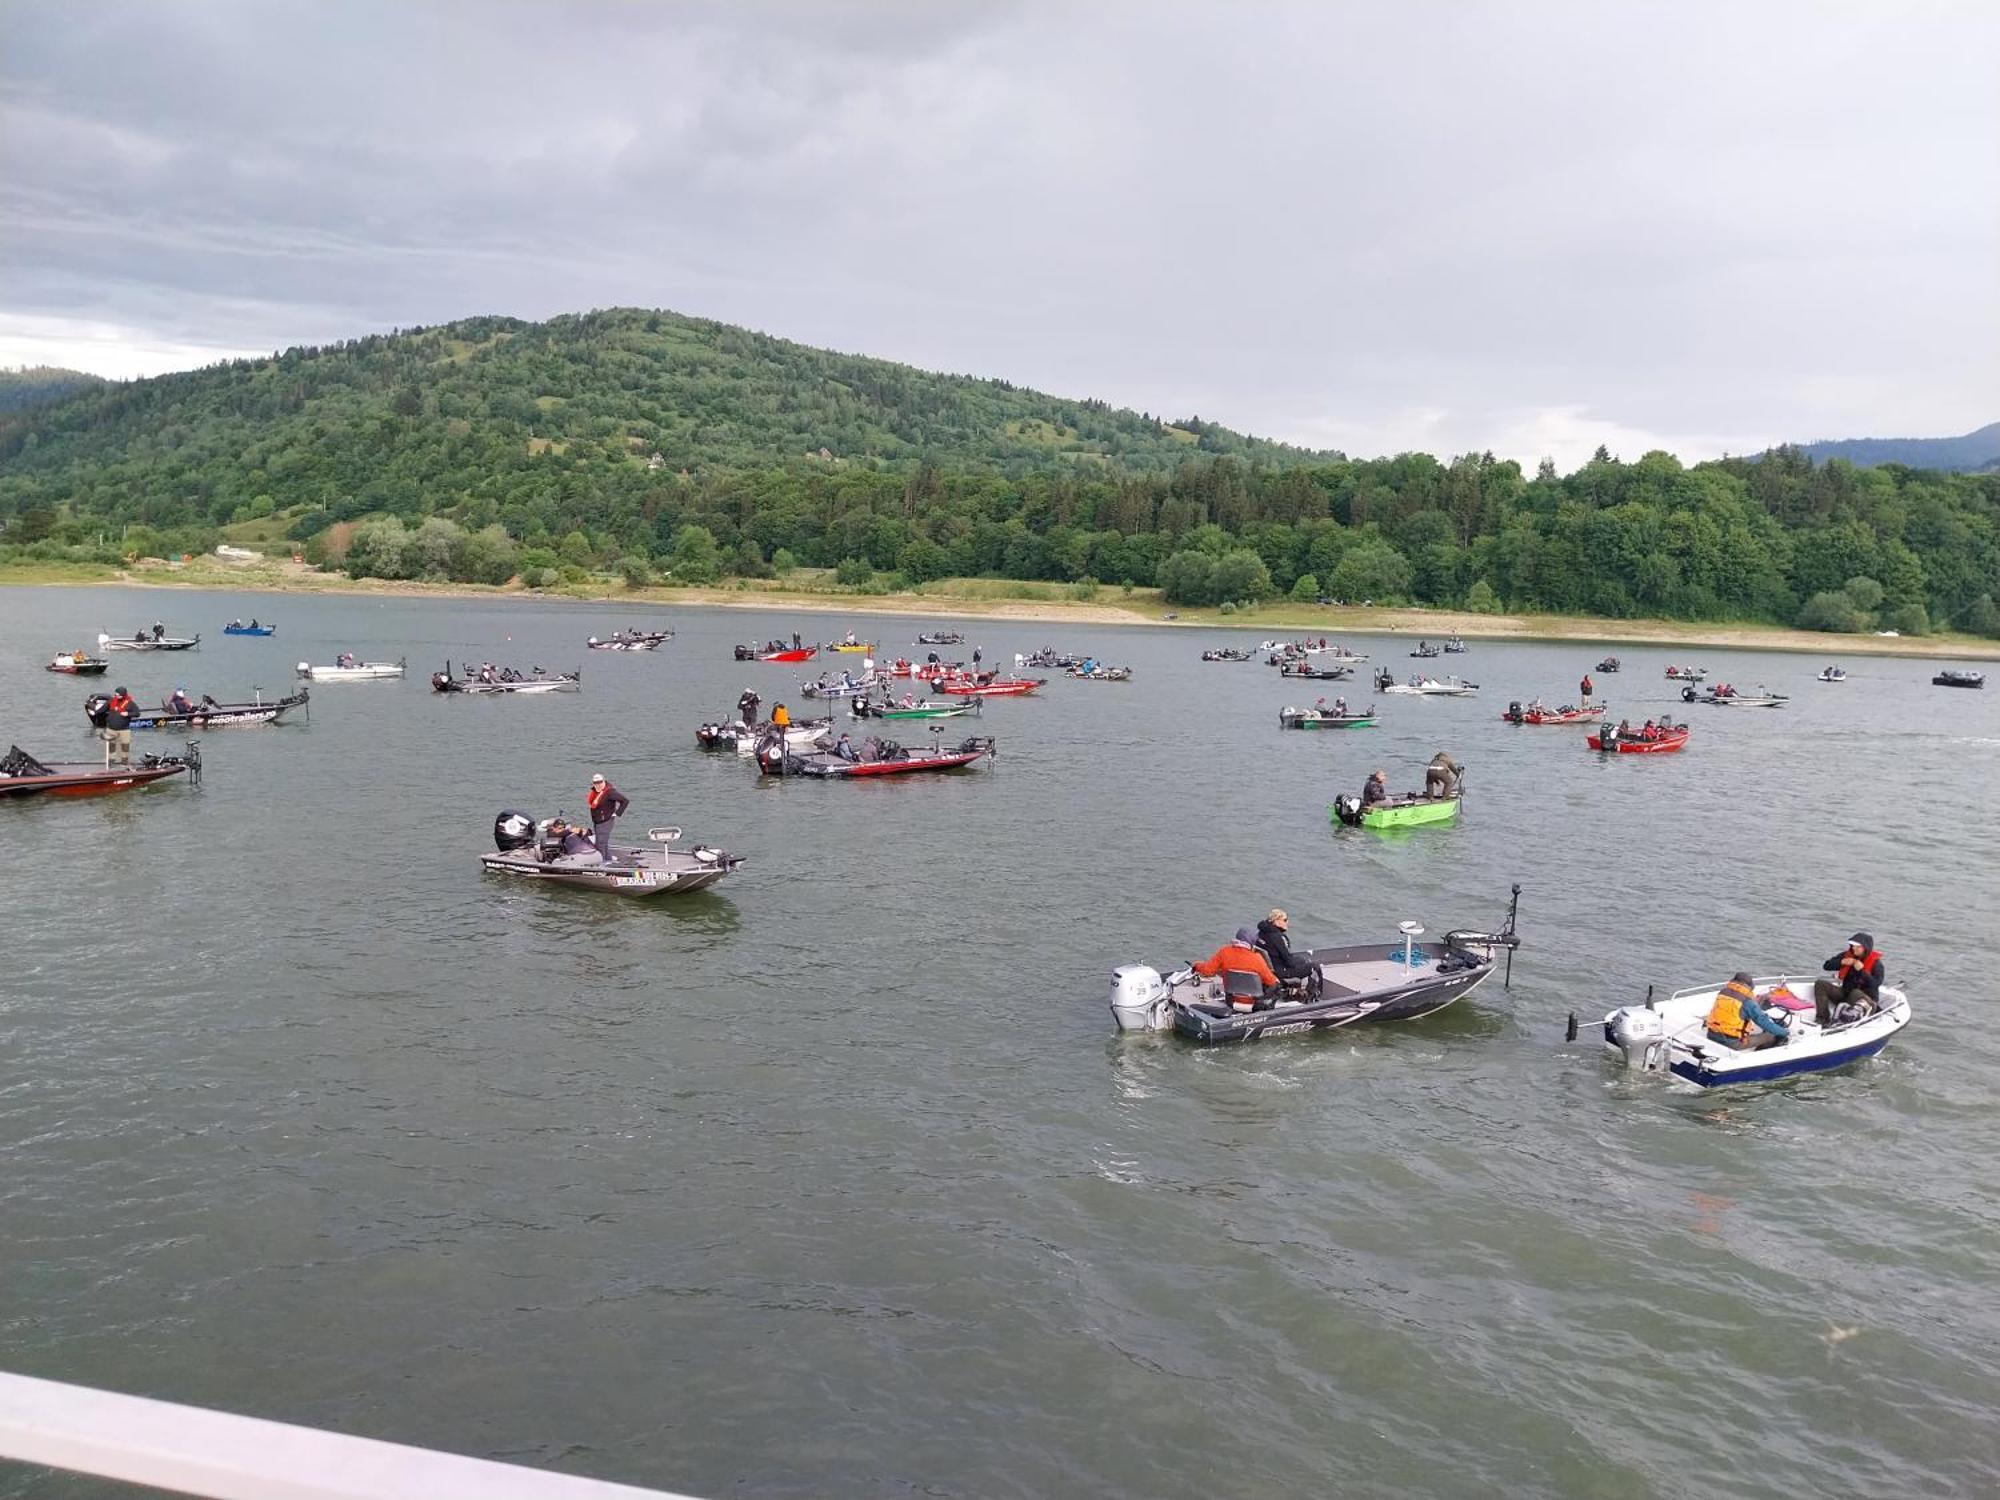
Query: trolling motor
[{"x": 1506, "y": 937}]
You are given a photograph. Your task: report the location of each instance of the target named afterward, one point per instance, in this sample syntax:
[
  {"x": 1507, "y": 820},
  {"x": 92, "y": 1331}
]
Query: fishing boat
[
  {"x": 1410, "y": 810},
  {"x": 1833, "y": 674},
  {"x": 828, "y": 687},
  {"x": 1615, "y": 743},
  {"x": 1728, "y": 697},
  {"x": 1453, "y": 646},
  {"x": 347, "y": 669},
  {"x": 1959, "y": 678},
  {"x": 1671, "y": 1035},
  {"x": 999, "y": 687},
  {"x": 1399, "y": 980},
  {"x": 78, "y": 664},
  {"x": 1534, "y": 713},
  {"x": 941, "y": 638},
  {"x": 741, "y": 736},
  {"x": 1049, "y": 659},
  {"x": 800, "y": 738},
  {"x": 1226, "y": 653},
  {"x": 522, "y": 847},
  {"x": 207, "y": 714},
  {"x": 876, "y": 758},
  {"x": 1687, "y": 674},
  {"x": 1097, "y": 673},
  {"x": 1609, "y": 664},
  {"x": 21, "y": 775},
  {"x": 1426, "y": 649},
  {"x": 1314, "y": 718},
  {"x": 853, "y": 647},
  {"x": 776, "y": 652},
  {"x": 155, "y": 640},
  {"x": 487, "y": 681},
  {"x": 237, "y": 627},
  {"x": 1426, "y": 687},
  {"x": 1306, "y": 670},
  {"x": 864, "y": 708},
  {"x": 629, "y": 640}
]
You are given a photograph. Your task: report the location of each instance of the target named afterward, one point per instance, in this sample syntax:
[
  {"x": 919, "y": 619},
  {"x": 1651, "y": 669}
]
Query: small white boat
[
  {"x": 361, "y": 671},
  {"x": 1671, "y": 1035},
  {"x": 1431, "y": 687},
  {"x": 799, "y": 738},
  {"x": 1833, "y": 674}
]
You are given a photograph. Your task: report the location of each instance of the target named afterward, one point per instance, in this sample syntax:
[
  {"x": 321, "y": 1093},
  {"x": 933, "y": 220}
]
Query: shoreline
[{"x": 992, "y": 599}]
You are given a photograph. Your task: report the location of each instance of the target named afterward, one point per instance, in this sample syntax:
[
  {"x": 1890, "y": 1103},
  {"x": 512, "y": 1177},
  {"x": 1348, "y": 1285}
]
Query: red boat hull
[
  {"x": 804, "y": 653},
  {"x": 930, "y": 763},
  {"x": 1640, "y": 747},
  {"x": 1535, "y": 720},
  {"x": 93, "y": 783},
  {"x": 1014, "y": 688}
]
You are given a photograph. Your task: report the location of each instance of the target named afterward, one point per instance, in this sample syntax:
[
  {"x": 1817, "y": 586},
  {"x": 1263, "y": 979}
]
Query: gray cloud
[{"x": 1529, "y": 228}]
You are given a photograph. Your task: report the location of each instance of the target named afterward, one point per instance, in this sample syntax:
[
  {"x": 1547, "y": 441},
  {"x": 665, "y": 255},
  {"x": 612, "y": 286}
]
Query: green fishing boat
[
  {"x": 1397, "y": 812},
  {"x": 1308, "y": 718},
  {"x": 918, "y": 711}
]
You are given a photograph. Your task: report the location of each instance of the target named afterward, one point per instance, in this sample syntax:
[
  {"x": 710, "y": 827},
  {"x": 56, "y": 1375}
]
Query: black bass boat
[
  {"x": 1227, "y": 653},
  {"x": 1389, "y": 981},
  {"x": 1959, "y": 678},
  {"x": 630, "y": 640},
  {"x": 207, "y": 714},
  {"x": 1299, "y": 667},
  {"x": 21, "y": 775},
  {"x": 941, "y": 638},
  {"x": 874, "y": 758},
  {"x": 506, "y": 680},
  {"x": 523, "y": 847}
]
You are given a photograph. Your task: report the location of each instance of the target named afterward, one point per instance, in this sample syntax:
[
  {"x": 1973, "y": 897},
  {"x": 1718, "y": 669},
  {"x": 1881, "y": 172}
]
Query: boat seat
[{"x": 1240, "y": 984}]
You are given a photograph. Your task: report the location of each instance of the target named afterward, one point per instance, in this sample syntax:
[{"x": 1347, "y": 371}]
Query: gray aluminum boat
[{"x": 522, "y": 848}]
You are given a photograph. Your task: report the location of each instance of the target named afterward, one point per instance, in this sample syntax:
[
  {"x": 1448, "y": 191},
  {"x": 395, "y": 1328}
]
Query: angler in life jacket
[
  {"x": 1857, "y": 980},
  {"x": 606, "y": 804},
  {"x": 1241, "y": 955},
  {"x": 118, "y": 712},
  {"x": 1737, "y": 1020}
]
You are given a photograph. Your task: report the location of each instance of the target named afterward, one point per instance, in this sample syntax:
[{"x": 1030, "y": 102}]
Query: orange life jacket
[
  {"x": 1725, "y": 1017},
  {"x": 1852, "y": 968},
  {"x": 597, "y": 794}
]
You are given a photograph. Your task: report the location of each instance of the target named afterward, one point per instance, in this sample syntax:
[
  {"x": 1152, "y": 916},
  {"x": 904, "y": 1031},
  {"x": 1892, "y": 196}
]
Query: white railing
[{"x": 226, "y": 1457}]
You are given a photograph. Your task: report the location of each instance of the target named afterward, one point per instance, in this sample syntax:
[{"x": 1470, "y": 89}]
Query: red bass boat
[
  {"x": 776, "y": 652},
  {"x": 877, "y": 759},
  {"x": 1588, "y": 714},
  {"x": 21, "y": 775},
  {"x": 1665, "y": 744},
  {"x": 1000, "y": 687}
]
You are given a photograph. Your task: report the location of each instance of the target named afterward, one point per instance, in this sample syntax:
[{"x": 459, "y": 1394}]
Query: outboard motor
[
  {"x": 1139, "y": 999},
  {"x": 513, "y": 830},
  {"x": 93, "y": 708},
  {"x": 1347, "y": 807},
  {"x": 1640, "y": 1033}
]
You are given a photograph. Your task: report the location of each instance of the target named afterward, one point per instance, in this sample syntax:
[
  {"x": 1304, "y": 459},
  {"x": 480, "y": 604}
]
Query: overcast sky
[{"x": 1524, "y": 227}]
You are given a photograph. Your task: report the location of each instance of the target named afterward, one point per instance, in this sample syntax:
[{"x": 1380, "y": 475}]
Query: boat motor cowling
[
  {"x": 1639, "y": 1032},
  {"x": 514, "y": 830},
  {"x": 1139, "y": 999}
]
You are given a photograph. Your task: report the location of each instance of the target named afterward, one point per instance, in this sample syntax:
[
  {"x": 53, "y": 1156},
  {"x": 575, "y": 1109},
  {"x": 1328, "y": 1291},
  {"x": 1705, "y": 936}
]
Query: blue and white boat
[
  {"x": 237, "y": 627},
  {"x": 1671, "y": 1035}
]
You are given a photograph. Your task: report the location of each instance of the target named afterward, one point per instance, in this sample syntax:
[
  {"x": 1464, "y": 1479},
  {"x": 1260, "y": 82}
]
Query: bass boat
[
  {"x": 1609, "y": 664},
  {"x": 876, "y": 758},
  {"x": 1427, "y": 650},
  {"x": 157, "y": 640},
  {"x": 776, "y": 652},
  {"x": 522, "y": 847},
  {"x": 830, "y": 688},
  {"x": 741, "y": 736},
  {"x": 1455, "y": 647},
  {"x": 21, "y": 775},
  {"x": 999, "y": 687},
  {"x": 1400, "y": 980},
  {"x": 1313, "y": 718},
  {"x": 1959, "y": 678},
  {"x": 1833, "y": 674},
  {"x": 78, "y": 664},
  {"x": 1717, "y": 698},
  {"x": 237, "y": 627},
  {"x": 207, "y": 714},
  {"x": 1426, "y": 687},
  {"x": 1406, "y": 811},
  {"x": 1614, "y": 743},
  {"x": 800, "y": 739},
  {"x": 1687, "y": 674},
  {"x": 1305, "y": 669},
  {"x": 1586, "y": 713},
  {"x": 941, "y": 638},
  {"x": 863, "y": 708},
  {"x": 538, "y": 682},
  {"x": 853, "y": 648},
  {"x": 1101, "y": 674},
  {"x": 1226, "y": 653},
  {"x": 1049, "y": 659},
  {"x": 350, "y": 670},
  {"x": 1671, "y": 1035},
  {"x": 630, "y": 640}
]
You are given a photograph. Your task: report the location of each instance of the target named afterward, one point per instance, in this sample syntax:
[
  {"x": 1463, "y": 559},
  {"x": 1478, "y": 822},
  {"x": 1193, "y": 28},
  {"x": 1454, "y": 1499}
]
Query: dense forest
[
  {"x": 37, "y": 385},
  {"x": 660, "y": 445}
]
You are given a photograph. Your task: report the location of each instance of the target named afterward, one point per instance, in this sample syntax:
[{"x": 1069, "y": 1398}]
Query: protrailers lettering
[{"x": 1286, "y": 1030}]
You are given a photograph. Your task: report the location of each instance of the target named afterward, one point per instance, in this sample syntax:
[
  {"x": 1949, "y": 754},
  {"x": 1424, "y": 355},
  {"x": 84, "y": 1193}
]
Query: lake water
[{"x": 836, "y": 1181}]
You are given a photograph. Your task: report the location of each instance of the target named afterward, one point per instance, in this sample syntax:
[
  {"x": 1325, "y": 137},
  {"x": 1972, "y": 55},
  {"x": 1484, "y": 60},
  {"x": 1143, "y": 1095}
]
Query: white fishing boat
[
  {"x": 1431, "y": 687},
  {"x": 1671, "y": 1035},
  {"x": 351, "y": 671}
]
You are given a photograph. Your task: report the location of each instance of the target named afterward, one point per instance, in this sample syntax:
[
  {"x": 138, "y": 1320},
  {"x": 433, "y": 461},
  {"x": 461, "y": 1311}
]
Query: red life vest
[
  {"x": 597, "y": 794},
  {"x": 1853, "y": 969}
]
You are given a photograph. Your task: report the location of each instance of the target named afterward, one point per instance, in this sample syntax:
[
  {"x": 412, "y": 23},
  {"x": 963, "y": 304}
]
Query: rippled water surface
[{"x": 835, "y": 1182}]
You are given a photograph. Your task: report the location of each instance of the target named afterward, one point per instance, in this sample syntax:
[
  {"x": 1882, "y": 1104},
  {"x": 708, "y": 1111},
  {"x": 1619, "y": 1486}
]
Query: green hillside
[
  {"x": 29, "y": 386},
  {"x": 649, "y": 443},
  {"x": 1971, "y": 453}
]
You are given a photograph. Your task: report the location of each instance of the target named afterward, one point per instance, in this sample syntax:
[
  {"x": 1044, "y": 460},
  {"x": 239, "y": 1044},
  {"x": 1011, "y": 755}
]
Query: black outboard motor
[
  {"x": 745, "y": 653},
  {"x": 1347, "y": 808},
  {"x": 93, "y": 709},
  {"x": 1688, "y": 694},
  {"x": 513, "y": 830},
  {"x": 771, "y": 755},
  {"x": 1514, "y": 712}
]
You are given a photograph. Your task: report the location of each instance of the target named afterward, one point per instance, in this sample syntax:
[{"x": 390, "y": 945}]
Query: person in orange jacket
[{"x": 1240, "y": 955}]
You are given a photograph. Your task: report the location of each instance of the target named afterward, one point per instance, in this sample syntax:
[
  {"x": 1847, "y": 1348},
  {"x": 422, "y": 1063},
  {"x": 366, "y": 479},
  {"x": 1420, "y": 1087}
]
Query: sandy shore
[{"x": 985, "y": 599}]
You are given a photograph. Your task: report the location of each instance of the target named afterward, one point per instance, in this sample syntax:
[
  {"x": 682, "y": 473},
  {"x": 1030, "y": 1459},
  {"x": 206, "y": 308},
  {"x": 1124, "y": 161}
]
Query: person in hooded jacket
[
  {"x": 1274, "y": 937},
  {"x": 118, "y": 712},
  {"x": 1857, "y": 977},
  {"x": 1241, "y": 955}
]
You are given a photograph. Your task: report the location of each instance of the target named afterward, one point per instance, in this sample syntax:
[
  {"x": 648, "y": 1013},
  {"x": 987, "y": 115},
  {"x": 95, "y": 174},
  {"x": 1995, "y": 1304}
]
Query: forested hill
[
  {"x": 1972, "y": 453},
  {"x": 38, "y": 385},
  {"x": 656, "y": 444},
  {"x": 610, "y": 388}
]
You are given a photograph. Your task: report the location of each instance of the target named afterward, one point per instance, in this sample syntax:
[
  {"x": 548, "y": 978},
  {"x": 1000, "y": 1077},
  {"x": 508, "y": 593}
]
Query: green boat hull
[
  {"x": 919, "y": 713},
  {"x": 1409, "y": 815},
  {"x": 1323, "y": 724}
]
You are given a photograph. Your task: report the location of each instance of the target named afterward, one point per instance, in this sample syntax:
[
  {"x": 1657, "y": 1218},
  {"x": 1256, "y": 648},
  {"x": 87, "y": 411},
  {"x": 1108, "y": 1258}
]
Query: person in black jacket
[
  {"x": 1274, "y": 937},
  {"x": 118, "y": 712},
  {"x": 607, "y": 803},
  {"x": 1857, "y": 976}
]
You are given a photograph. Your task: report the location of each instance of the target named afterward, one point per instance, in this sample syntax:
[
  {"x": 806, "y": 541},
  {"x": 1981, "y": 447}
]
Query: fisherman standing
[{"x": 606, "y": 804}]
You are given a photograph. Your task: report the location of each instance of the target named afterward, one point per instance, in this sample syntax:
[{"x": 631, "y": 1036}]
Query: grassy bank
[{"x": 1002, "y": 599}]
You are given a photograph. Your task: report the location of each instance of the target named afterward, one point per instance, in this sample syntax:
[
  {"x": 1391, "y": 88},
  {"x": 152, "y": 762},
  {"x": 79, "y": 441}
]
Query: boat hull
[
  {"x": 1410, "y": 814},
  {"x": 1638, "y": 747},
  {"x": 248, "y": 630},
  {"x": 367, "y": 672},
  {"x": 622, "y": 877},
  {"x": 1360, "y": 983}
]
